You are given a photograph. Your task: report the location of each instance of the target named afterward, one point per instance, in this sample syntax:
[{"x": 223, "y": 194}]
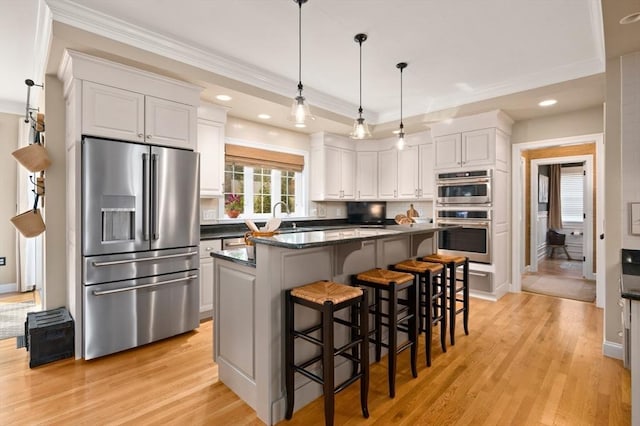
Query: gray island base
[{"x": 249, "y": 303}]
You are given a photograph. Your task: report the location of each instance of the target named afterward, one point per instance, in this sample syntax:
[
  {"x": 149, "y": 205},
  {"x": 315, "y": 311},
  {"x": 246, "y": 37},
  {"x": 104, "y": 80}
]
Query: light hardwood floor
[{"x": 529, "y": 360}]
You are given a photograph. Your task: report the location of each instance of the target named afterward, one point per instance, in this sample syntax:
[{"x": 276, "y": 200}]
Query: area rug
[
  {"x": 12, "y": 318},
  {"x": 568, "y": 288}
]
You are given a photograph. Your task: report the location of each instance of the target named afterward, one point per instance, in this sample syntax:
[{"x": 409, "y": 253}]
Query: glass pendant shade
[
  {"x": 300, "y": 112},
  {"x": 400, "y": 143},
  {"x": 360, "y": 129}
]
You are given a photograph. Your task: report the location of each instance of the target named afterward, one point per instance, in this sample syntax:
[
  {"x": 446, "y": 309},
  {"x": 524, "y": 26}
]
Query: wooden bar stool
[
  {"x": 402, "y": 316},
  {"x": 432, "y": 299},
  {"x": 453, "y": 263},
  {"x": 328, "y": 297}
]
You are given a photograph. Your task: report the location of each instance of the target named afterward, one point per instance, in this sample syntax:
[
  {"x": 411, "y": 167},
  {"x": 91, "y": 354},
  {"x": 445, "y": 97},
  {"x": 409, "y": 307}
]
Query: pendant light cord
[
  {"x": 401, "y": 125},
  {"x": 300, "y": 46},
  {"x": 360, "y": 106}
]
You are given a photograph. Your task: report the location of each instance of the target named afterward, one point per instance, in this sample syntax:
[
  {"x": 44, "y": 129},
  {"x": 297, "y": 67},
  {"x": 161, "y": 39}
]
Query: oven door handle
[
  {"x": 144, "y": 259},
  {"x": 454, "y": 182},
  {"x": 123, "y": 289},
  {"x": 465, "y": 223}
]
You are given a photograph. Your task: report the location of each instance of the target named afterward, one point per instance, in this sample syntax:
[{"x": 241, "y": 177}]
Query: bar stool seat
[
  {"x": 453, "y": 263},
  {"x": 432, "y": 303},
  {"x": 328, "y": 297},
  {"x": 402, "y": 315}
]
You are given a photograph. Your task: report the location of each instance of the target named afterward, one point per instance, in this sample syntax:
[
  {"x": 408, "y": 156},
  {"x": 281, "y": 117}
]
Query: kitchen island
[{"x": 249, "y": 301}]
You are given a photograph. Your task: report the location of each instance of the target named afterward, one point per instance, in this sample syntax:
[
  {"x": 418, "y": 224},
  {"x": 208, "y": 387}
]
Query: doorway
[{"x": 586, "y": 148}]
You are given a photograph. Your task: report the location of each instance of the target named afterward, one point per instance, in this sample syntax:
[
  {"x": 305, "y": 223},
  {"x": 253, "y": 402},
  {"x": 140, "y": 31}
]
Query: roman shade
[{"x": 247, "y": 156}]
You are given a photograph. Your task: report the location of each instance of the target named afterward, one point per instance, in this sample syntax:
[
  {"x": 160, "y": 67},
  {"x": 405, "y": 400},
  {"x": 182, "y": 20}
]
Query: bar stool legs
[
  {"x": 431, "y": 283},
  {"x": 402, "y": 315},
  {"x": 328, "y": 298},
  {"x": 455, "y": 291}
]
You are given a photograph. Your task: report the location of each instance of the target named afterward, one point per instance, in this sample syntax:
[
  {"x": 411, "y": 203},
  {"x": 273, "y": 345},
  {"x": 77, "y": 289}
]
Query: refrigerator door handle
[
  {"x": 138, "y": 287},
  {"x": 144, "y": 259},
  {"x": 145, "y": 197},
  {"x": 155, "y": 193}
]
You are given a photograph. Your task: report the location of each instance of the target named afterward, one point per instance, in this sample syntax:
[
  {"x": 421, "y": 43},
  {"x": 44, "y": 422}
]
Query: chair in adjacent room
[{"x": 556, "y": 240}]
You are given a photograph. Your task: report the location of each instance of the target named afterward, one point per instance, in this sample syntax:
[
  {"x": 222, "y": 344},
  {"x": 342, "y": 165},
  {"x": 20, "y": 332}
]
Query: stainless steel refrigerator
[{"x": 140, "y": 236}]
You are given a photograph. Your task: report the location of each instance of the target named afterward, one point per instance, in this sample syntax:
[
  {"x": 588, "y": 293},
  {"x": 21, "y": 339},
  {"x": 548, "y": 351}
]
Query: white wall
[
  {"x": 249, "y": 131},
  {"x": 630, "y": 141},
  {"x": 8, "y": 172},
  {"x": 581, "y": 122}
]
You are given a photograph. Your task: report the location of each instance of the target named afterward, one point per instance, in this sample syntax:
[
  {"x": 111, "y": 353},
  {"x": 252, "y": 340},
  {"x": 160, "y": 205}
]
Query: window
[
  {"x": 259, "y": 188},
  {"x": 571, "y": 192}
]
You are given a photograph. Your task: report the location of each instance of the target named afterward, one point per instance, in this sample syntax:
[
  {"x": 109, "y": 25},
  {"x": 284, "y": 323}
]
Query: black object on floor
[
  {"x": 49, "y": 336},
  {"x": 21, "y": 342}
]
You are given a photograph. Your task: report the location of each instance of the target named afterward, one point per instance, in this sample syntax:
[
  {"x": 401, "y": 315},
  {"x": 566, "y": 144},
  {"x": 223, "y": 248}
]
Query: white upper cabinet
[
  {"x": 388, "y": 174},
  {"x": 473, "y": 142},
  {"x": 112, "y": 113},
  {"x": 170, "y": 123},
  {"x": 211, "y": 149},
  {"x": 466, "y": 149},
  {"x": 366, "y": 175},
  {"x": 408, "y": 165},
  {"x": 116, "y": 113},
  {"x": 333, "y": 168}
]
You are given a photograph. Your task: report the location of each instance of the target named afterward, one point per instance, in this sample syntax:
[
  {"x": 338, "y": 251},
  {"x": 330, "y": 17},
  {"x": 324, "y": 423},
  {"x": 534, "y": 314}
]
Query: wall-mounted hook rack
[{"x": 28, "y": 109}]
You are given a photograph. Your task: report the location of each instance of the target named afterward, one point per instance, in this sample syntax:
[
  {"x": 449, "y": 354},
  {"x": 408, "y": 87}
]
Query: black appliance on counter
[{"x": 366, "y": 212}]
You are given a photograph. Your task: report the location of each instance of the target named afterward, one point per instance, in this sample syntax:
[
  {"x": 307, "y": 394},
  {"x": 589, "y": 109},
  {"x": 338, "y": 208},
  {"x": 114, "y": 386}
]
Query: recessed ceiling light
[
  {"x": 223, "y": 98},
  {"x": 300, "y": 125},
  {"x": 395, "y": 132},
  {"x": 548, "y": 102},
  {"x": 264, "y": 116},
  {"x": 631, "y": 18}
]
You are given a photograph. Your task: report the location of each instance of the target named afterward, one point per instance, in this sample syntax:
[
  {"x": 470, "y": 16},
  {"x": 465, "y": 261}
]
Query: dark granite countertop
[
  {"x": 630, "y": 283},
  {"x": 237, "y": 230},
  {"x": 238, "y": 255},
  {"x": 301, "y": 240}
]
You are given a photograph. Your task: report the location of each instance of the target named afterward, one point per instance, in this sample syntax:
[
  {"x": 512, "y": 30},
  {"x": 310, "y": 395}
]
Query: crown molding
[
  {"x": 42, "y": 40},
  {"x": 84, "y": 18}
]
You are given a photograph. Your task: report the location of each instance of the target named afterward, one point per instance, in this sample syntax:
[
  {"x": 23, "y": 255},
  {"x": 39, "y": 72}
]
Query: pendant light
[
  {"x": 360, "y": 128},
  {"x": 400, "y": 145},
  {"x": 300, "y": 110}
]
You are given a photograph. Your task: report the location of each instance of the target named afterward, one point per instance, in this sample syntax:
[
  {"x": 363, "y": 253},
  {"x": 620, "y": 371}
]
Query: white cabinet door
[
  {"x": 366, "y": 175},
  {"x": 388, "y": 174},
  {"x": 447, "y": 151},
  {"x": 427, "y": 177},
  {"x": 206, "y": 276},
  {"x": 211, "y": 148},
  {"x": 170, "y": 123},
  {"x": 112, "y": 113},
  {"x": 479, "y": 147},
  {"x": 408, "y": 172},
  {"x": 332, "y": 171},
  {"x": 348, "y": 174}
]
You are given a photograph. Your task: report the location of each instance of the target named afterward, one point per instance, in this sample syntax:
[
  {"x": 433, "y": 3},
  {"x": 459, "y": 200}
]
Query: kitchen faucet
[{"x": 284, "y": 206}]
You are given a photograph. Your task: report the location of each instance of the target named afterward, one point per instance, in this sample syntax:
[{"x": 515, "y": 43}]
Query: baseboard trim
[
  {"x": 612, "y": 350},
  {"x": 8, "y": 288}
]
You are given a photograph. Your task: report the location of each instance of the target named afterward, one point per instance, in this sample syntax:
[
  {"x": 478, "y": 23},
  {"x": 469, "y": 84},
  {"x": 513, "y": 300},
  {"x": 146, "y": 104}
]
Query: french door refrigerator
[{"x": 140, "y": 236}]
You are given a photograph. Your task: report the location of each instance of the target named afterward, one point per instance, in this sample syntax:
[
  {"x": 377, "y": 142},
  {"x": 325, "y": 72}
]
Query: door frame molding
[{"x": 518, "y": 203}]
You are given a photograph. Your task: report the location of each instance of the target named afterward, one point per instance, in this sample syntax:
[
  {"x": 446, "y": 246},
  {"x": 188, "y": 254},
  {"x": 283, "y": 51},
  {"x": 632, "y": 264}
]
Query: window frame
[{"x": 301, "y": 190}]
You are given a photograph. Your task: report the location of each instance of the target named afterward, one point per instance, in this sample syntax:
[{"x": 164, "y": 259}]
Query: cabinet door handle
[
  {"x": 358, "y": 193},
  {"x": 395, "y": 193},
  {"x": 140, "y": 135},
  {"x": 148, "y": 136}
]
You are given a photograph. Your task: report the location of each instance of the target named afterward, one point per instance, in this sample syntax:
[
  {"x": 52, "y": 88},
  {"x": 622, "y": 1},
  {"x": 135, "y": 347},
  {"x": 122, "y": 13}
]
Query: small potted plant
[{"x": 233, "y": 205}]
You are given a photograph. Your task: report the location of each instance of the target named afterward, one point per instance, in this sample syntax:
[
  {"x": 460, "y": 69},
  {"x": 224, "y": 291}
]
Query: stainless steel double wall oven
[{"x": 465, "y": 199}]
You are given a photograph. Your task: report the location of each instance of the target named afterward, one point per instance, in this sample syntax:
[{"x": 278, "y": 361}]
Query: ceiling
[{"x": 464, "y": 57}]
